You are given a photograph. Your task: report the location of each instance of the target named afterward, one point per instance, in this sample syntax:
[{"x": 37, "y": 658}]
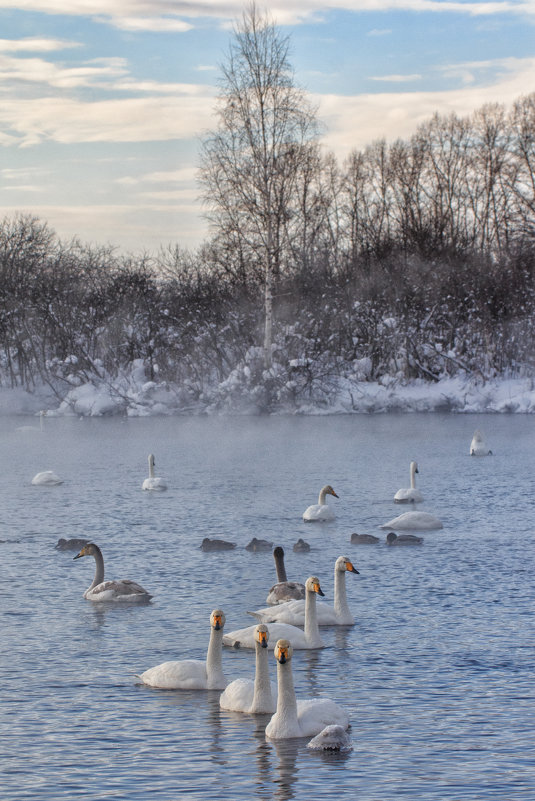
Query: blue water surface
[{"x": 437, "y": 675}]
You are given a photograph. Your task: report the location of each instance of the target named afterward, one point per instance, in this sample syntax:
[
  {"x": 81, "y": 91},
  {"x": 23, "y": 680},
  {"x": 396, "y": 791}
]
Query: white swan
[
  {"x": 153, "y": 482},
  {"x": 414, "y": 521},
  {"x": 100, "y": 590},
  {"x": 193, "y": 674},
  {"x": 321, "y": 510},
  {"x": 309, "y": 638},
  {"x": 295, "y": 718},
  {"x": 331, "y": 738},
  {"x": 293, "y": 612},
  {"x": 283, "y": 590},
  {"x": 410, "y": 494},
  {"x": 260, "y": 695},
  {"x": 34, "y": 429},
  {"x": 478, "y": 446},
  {"x": 47, "y": 479}
]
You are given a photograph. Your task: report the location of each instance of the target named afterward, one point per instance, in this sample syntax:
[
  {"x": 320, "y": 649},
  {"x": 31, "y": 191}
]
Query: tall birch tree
[{"x": 252, "y": 162}]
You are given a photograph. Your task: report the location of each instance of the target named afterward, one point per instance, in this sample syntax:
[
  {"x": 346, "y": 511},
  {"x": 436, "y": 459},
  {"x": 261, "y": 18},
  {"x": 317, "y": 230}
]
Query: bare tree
[{"x": 251, "y": 162}]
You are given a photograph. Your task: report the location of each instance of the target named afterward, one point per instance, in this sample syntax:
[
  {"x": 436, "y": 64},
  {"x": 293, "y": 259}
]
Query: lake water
[{"x": 437, "y": 675}]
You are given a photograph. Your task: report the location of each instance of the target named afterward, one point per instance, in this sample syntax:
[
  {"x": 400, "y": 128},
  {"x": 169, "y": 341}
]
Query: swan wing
[
  {"x": 313, "y": 715},
  {"x": 186, "y": 674}
]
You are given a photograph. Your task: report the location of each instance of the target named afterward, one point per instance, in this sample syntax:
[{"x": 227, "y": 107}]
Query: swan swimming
[
  {"x": 47, "y": 479},
  {"x": 260, "y": 695},
  {"x": 293, "y": 612},
  {"x": 331, "y": 738},
  {"x": 403, "y": 539},
  {"x": 153, "y": 482},
  {"x": 309, "y": 638},
  {"x": 410, "y": 494},
  {"x": 34, "y": 429},
  {"x": 414, "y": 521},
  {"x": 321, "y": 510},
  {"x": 295, "y": 718},
  {"x": 478, "y": 446},
  {"x": 193, "y": 674},
  {"x": 100, "y": 590},
  {"x": 283, "y": 590}
]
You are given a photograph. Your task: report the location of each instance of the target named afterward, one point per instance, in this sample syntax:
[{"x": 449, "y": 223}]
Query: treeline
[{"x": 411, "y": 260}]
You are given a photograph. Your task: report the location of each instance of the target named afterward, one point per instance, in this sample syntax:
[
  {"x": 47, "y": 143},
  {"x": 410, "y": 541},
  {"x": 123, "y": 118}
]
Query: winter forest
[{"x": 412, "y": 261}]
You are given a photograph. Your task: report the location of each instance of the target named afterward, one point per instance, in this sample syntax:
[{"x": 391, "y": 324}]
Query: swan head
[
  {"x": 344, "y": 563},
  {"x": 88, "y": 550},
  {"x": 283, "y": 651},
  {"x": 278, "y": 552},
  {"x": 414, "y": 467},
  {"x": 152, "y": 461},
  {"x": 261, "y": 634},
  {"x": 217, "y": 619},
  {"x": 312, "y": 584},
  {"x": 328, "y": 490}
]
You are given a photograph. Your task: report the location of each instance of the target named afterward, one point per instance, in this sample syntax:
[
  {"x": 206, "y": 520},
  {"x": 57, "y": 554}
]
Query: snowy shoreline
[{"x": 141, "y": 398}]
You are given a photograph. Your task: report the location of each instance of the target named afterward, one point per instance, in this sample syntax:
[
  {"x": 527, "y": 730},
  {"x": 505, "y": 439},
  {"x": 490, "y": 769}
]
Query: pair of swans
[
  {"x": 193, "y": 674},
  {"x": 295, "y": 612},
  {"x": 99, "y": 590},
  {"x": 153, "y": 482},
  {"x": 291, "y": 718},
  {"x": 321, "y": 510},
  {"x": 412, "y": 521}
]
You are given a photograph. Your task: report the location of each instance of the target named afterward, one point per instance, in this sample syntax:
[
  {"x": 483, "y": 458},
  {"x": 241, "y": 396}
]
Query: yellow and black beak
[
  {"x": 263, "y": 639},
  {"x": 318, "y": 589},
  {"x": 78, "y": 555},
  {"x": 350, "y": 568},
  {"x": 217, "y": 622}
]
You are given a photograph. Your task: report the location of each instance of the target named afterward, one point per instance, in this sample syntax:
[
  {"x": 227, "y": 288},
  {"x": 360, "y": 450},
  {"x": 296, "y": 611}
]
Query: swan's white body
[
  {"x": 153, "y": 482},
  {"x": 193, "y": 674},
  {"x": 301, "y": 639},
  {"x": 478, "y": 446},
  {"x": 321, "y": 510},
  {"x": 410, "y": 494},
  {"x": 295, "y": 718},
  {"x": 47, "y": 479},
  {"x": 293, "y": 612},
  {"x": 331, "y": 738},
  {"x": 105, "y": 591},
  {"x": 284, "y": 590},
  {"x": 258, "y": 696},
  {"x": 414, "y": 521}
]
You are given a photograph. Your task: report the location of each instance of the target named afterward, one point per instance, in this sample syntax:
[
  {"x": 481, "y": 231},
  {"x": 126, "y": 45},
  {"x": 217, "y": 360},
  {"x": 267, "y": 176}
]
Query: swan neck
[
  {"x": 99, "y": 569},
  {"x": 341, "y": 607},
  {"x": 151, "y": 468},
  {"x": 413, "y": 477},
  {"x": 286, "y": 700},
  {"x": 311, "y": 619},
  {"x": 214, "y": 669},
  {"x": 279, "y": 567},
  {"x": 322, "y": 497},
  {"x": 262, "y": 700}
]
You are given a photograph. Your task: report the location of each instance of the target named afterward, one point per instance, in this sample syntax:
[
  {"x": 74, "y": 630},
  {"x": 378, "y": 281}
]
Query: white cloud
[
  {"x": 35, "y": 45},
  {"x": 397, "y": 78},
  {"x": 39, "y": 71}
]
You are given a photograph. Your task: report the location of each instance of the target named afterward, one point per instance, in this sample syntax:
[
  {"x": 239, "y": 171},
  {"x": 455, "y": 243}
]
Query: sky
[{"x": 103, "y": 103}]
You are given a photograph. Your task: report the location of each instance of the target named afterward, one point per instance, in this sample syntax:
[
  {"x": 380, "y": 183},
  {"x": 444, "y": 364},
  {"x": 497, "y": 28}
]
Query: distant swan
[
  {"x": 410, "y": 494},
  {"x": 402, "y": 539},
  {"x": 414, "y": 521},
  {"x": 34, "y": 429},
  {"x": 478, "y": 446},
  {"x": 246, "y": 695},
  {"x": 293, "y": 612},
  {"x": 193, "y": 674},
  {"x": 331, "y": 738},
  {"x": 295, "y": 718},
  {"x": 283, "y": 590},
  {"x": 153, "y": 482},
  {"x": 47, "y": 479},
  {"x": 73, "y": 544},
  {"x": 309, "y": 638},
  {"x": 100, "y": 590},
  {"x": 321, "y": 510}
]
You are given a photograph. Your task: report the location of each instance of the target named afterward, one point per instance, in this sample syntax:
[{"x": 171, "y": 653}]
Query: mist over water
[{"x": 436, "y": 675}]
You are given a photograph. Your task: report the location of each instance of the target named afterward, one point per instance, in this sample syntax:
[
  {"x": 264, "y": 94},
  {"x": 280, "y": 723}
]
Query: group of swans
[
  {"x": 290, "y": 717},
  {"x": 47, "y": 478}
]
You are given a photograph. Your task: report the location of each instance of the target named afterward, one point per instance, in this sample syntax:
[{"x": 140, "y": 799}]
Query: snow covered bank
[{"x": 134, "y": 396}]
